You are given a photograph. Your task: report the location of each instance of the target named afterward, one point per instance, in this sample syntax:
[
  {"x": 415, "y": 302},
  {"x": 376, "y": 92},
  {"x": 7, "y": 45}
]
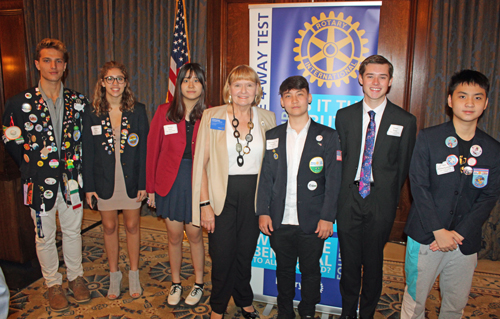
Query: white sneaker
[
  {"x": 194, "y": 296},
  {"x": 174, "y": 296}
]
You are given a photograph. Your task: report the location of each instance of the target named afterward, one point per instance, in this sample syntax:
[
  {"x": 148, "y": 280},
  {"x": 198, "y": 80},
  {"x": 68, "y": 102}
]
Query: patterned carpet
[{"x": 31, "y": 302}]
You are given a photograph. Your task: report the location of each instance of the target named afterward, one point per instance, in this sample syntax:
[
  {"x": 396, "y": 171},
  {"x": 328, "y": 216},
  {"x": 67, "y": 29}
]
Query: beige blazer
[{"x": 218, "y": 164}]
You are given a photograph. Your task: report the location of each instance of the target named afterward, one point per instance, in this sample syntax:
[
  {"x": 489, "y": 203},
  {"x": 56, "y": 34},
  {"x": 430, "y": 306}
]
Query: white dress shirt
[
  {"x": 294, "y": 147},
  {"x": 379, "y": 112}
]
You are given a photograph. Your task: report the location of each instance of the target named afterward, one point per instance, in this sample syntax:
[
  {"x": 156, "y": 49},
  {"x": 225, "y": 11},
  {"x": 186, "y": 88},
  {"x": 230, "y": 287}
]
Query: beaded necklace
[{"x": 248, "y": 138}]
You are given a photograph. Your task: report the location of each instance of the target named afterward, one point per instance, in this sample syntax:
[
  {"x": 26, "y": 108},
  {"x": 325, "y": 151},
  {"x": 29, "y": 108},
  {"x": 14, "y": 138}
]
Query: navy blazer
[
  {"x": 313, "y": 203},
  {"x": 28, "y": 111},
  {"x": 99, "y": 156},
  {"x": 391, "y": 157},
  {"x": 443, "y": 200}
]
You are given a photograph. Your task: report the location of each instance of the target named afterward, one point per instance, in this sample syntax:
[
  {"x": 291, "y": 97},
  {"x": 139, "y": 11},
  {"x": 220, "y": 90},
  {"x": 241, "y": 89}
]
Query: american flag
[{"x": 180, "y": 48}]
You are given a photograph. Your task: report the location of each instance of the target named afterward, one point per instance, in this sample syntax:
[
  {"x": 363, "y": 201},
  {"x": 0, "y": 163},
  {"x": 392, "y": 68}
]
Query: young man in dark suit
[
  {"x": 455, "y": 182},
  {"x": 42, "y": 132},
  {"x": 297, "y": 196},
  {"x": 377, "y": 140}
]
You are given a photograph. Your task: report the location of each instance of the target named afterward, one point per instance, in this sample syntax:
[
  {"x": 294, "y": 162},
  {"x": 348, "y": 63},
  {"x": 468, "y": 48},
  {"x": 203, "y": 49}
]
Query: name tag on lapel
[
  {"x": 170, "y": 129},
  {"x": 217, "y": 124},
  {"x": 96, "y": 130},
  {"x": 444, "y": 168},
  {"x": 395, "y": 130},
  {"x": 272, "y": 144}
]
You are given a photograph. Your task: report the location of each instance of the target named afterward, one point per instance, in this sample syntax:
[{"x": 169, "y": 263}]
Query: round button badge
[
  {"x": 48, "y": 194},
  {"x": 476, "y": 150},
  {"x": 316, "y": 165},
  {"x": 312, "y": 185},
  {"x": 452, "y": 160},
  {"x": 50, "y": 181},
  {"x": 12, "y": 132},
  {"x": 26, "y": 107},
  {"x": 467, "y": 170},
  {"x": 54, "y": 163},
  {"x": 451, "y": 141},
  {"x": 472, "y": 161}
]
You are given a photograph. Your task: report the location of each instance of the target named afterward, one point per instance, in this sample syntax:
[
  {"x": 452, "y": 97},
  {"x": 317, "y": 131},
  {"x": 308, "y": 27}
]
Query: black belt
[{"x": 357, "y": 184}]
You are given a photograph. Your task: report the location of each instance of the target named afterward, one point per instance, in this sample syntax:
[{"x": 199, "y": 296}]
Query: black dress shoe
[
  {"x": 308, "y": 317},
  {"x": 250, "y": 315}
]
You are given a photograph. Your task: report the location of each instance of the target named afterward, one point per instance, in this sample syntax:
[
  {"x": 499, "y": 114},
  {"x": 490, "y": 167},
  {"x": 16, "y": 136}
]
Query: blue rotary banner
[{"x": 324, "y": 42}]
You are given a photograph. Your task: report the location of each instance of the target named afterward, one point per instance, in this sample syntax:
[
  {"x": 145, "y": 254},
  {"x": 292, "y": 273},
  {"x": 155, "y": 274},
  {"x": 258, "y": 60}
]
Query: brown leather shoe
[
  {"x": 57, "y": 299},
  {"x": 79, "y": 289}
]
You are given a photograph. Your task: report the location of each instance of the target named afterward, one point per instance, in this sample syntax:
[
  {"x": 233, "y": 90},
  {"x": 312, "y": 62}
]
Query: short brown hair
[
  {"x": 242, "y": 72},
  {"x": 49, "y": 43},
  {"x": 375, "y": 59}
]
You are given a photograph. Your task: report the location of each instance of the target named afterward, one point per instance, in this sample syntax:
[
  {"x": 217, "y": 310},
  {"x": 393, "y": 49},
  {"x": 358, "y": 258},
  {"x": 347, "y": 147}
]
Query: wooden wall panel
[
  {"x": 17, "y": 238},
  {"x": 393, "y": 44},
  {"x": 238, "y": 36}
]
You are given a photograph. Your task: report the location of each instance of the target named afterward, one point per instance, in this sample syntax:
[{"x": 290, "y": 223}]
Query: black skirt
[{"x": 177, "y": 205}]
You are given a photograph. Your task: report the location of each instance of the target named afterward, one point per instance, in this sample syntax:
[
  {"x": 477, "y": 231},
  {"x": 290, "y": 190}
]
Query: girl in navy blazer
[
  {"x": 114, "y": 148},
  {"x": 171, "y": 147}
]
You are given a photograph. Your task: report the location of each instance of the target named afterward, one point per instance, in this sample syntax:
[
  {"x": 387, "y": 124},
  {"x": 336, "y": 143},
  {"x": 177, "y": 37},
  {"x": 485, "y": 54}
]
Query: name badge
[
  {"x": 444, "y": 168},
  {"x": 96, "y": 130},
  {"x": 217, "y": 124},
  {"x": 272, "y": 144},
  {"x": 395, "y": 130},
  {"x": 170, "y": 129}
]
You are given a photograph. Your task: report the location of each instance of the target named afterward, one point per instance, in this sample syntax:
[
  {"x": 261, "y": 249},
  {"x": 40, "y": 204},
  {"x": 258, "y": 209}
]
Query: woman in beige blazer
[{"x": 227, "y": 161}]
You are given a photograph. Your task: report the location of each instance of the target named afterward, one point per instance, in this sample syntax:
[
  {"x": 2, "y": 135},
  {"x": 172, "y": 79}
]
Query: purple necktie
[{"x": 366, "y": 167}]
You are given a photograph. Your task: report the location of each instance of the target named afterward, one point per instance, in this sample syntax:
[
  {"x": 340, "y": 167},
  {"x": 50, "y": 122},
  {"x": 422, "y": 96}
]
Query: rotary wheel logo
[{"x": 330, "y": 49}]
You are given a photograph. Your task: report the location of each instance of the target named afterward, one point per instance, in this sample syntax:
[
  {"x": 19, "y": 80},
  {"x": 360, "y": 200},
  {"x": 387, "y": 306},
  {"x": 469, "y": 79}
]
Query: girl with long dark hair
[{"x": 171, "y": 145}]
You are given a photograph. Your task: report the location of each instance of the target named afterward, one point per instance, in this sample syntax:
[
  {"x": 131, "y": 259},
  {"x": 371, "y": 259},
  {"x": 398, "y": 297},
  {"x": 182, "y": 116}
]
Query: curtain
[
  {"x": 466, "y": 35},
  {"x": 134, "y": 32}
]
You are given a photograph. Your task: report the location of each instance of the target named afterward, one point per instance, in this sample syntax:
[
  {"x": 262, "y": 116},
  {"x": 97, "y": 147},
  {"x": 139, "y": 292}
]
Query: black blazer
[
  {"x": 390, "y": 162},
  {"x": 30, "y": 113},
  {"x": 451, "y": 201},
  {"x": 99, "y": 156},
  {"x": 312, "y": 204}
]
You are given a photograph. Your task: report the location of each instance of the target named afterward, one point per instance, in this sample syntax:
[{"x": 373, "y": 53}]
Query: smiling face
[
  {"x": 51, "y": 65},
  {"x": 296, "y": 102},
  {"x": 467, "y": 102},
  {"x": 191, "y": 87},
  {"x": 376, "y": 82},
  {"x": 243, "y": 92},
  {"x": 114, "y": 89}
]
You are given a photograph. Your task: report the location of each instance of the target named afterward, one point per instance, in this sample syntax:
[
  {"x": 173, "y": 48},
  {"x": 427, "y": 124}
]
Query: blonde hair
[{"x": 242, "y": 72}]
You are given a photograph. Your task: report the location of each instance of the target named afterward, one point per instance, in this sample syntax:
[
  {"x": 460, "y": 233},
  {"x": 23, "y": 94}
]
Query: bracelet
[{"x": 206, "y": 203}]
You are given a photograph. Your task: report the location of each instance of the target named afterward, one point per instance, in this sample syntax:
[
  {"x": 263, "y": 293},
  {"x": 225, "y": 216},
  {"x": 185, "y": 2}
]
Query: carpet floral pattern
[{"x": 32, "y": 302}]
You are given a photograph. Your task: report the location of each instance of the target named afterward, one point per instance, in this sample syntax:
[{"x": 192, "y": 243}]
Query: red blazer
[{"x": 165, "y": 152}]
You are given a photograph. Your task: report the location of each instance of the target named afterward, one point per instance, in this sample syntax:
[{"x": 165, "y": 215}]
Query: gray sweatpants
[{"x": 422, "y": 266}]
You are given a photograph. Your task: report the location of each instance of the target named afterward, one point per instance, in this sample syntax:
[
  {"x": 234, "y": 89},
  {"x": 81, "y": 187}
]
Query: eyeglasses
[{"x": 111, "y": 79}]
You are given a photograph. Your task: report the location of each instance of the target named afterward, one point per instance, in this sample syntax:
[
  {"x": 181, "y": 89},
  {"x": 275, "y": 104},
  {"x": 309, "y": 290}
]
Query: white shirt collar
[
  {"x": 289, "y": 129},
  {"x": 378, "y": 110}
]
